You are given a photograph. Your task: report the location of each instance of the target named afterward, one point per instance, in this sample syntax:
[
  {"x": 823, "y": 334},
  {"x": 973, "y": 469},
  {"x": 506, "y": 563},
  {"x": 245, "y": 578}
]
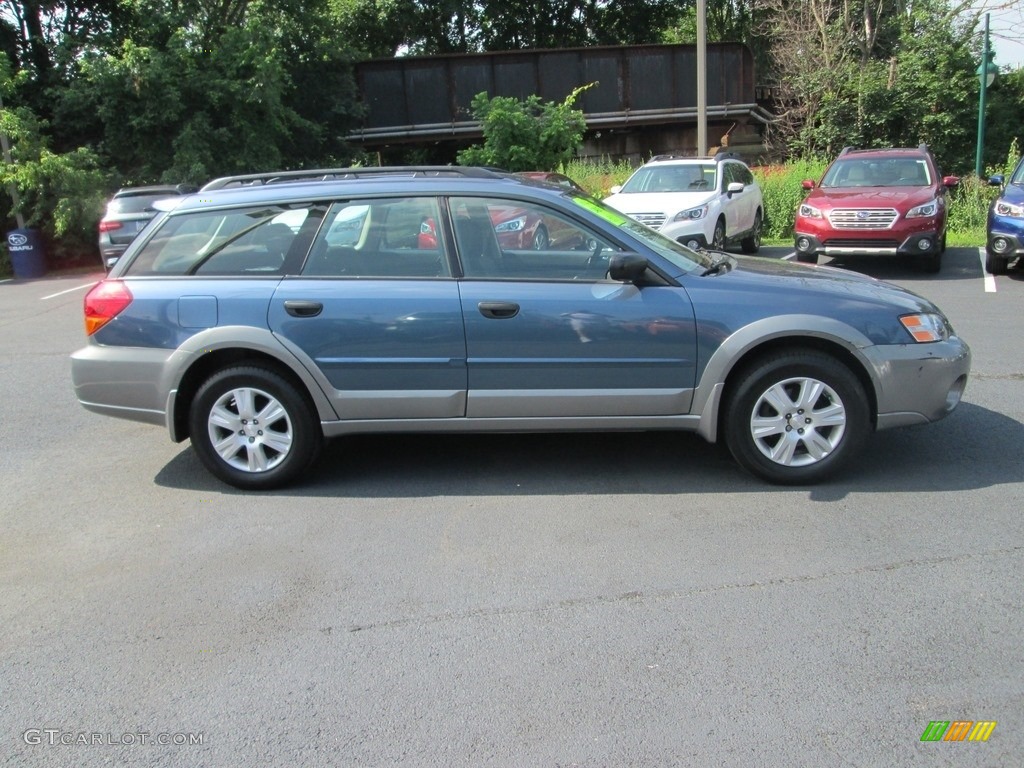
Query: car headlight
[
  {"x": 925, "y": 209},
  {"x": 692, "y": 214},
  {"x": 512, "y": 225},
  {"x": 809, "y": 211},
  {"x": 1004, "y": 208},
  {"x": 925, "y": 328}
]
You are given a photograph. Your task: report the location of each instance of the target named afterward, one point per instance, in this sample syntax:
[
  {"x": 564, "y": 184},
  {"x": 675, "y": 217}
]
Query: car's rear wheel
[
  {"x": 796, "y": 417},
  {"x": 253, "y": 429},
  {"x": 752, "y": 243},
  {"x": 996, "y": 265},
  {"x": 718, "y": 237}
]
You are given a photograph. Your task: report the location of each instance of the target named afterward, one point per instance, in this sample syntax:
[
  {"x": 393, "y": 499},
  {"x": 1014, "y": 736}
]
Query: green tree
[{"x": 525, "y": 135}]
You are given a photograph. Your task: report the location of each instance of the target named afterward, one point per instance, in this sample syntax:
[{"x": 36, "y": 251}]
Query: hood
[
  {"x": 901, "y": 198},
  {"x": 755, "y": 289},
  {"x": 1013, "y": 193},
  {"x": 669, "y": 203}
]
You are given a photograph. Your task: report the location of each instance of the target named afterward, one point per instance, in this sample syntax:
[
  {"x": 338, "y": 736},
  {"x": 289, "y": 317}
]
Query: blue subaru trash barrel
[{"x": 26, "y": 250}]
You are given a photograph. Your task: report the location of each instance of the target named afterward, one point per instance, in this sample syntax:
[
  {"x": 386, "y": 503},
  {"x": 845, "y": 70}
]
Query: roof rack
[
  {"x": 723, "y": 155},
  {"x": 844, "y": 150},
  {"x": 338, "y": 174}
]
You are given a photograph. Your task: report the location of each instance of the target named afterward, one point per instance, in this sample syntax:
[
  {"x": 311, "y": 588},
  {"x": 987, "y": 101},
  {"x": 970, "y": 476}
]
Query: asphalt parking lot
[{"x": 543, "y": 600}]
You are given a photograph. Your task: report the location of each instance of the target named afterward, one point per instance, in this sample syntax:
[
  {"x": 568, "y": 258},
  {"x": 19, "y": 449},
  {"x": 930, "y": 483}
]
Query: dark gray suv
[
  {"x": 269, "y": 312},
  {"x": 128, "y": 212}
]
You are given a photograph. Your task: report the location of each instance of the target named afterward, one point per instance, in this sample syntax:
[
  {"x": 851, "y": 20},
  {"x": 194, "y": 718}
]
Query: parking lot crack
[{"x": 675, "y": 594}]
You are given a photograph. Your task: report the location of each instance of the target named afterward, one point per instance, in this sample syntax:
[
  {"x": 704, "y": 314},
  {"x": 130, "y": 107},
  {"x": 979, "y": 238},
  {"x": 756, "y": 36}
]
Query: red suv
[{"x": 880, "y": 202}]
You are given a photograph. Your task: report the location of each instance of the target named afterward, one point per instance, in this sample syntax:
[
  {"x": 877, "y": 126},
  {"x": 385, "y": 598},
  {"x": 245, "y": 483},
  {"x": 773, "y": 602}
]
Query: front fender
[{"x": 745, "y": 343}]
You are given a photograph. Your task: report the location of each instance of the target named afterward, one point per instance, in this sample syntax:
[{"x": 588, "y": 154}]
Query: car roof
[
  {"x": 292, "y": 186},
  {"x": 882, "y": 153},
  {"x": 694, "y": 159}
]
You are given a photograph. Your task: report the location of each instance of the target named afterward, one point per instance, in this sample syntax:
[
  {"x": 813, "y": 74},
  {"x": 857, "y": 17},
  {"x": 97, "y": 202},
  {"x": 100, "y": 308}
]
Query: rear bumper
[{"x": 125, "y": 382}]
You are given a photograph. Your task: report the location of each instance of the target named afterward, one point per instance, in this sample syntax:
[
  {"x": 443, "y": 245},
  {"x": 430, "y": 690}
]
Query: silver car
[{"x": 243, "y": 321}]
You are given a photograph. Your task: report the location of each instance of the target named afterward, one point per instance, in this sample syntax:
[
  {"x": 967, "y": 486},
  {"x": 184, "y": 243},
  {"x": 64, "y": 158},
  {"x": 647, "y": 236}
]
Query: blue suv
[
  {"x": 269, "y": 312},
  {"x": 1005, "y": 239}
]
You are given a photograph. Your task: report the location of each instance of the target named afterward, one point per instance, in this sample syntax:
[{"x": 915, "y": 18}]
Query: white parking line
[
  {"x": 6, "y": 280},
  {"x": 789, "y": 256},
  {"x": 990, "y": 280},
  {"x": 69, "y": 290}
]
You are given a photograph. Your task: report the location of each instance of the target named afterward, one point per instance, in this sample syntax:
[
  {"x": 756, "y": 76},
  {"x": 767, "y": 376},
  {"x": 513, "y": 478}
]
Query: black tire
[
  {"x": 286, "y": 445},
  {"x": 718, "y": 237},
  {"x": 823, "y": 398},
  {"x": 752, "y": 243},
  {"x": 931, "y": 263},
  {"x": 807, "y": 258},
  {"x": 996, "y": 265},
  {"x": 540, "y": 239}
]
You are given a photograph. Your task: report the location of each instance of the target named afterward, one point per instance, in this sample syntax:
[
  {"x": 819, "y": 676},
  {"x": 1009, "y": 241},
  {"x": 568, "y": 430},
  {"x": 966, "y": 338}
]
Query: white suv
[{"x": 698, "y": 201}]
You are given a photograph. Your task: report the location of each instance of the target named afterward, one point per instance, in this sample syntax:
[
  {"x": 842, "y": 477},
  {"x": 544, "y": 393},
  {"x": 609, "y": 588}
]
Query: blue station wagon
[{"x": 269, "y": 312}]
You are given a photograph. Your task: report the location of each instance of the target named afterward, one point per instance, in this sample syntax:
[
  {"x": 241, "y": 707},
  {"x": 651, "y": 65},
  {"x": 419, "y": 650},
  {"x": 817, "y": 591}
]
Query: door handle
[
  {"x": 299, "y": 308},
  {"x": 498, "y": 310}
]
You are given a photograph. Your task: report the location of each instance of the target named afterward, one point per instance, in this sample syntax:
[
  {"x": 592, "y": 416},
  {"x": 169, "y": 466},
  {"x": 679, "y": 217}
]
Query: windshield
[
  {"x": 689, "y": 177},
  {"x": 878, "y": 172},
  {"x": 1018, "y": 175},
  {"x": 669, "y": 249}
]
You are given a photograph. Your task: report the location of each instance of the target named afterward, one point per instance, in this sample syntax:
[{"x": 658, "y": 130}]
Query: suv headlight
[
  {"x": 925, "y": 209},
  {"x": 692, "y": 214},
  {"x": 925, "y": 328},
  {"x": 1004, "y": 208},
  {"x": 512, "y": 225},
  {"x": 809, "y": 211}
]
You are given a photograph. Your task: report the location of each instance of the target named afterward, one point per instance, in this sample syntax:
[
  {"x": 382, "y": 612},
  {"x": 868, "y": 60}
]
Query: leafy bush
[
  {"x": 782, "y": 193},
  {"x": 597, "y": 176},
  {"x": 525, "y": 135}
]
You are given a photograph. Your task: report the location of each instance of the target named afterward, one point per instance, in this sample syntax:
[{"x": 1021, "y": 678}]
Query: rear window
[
  {"x": 247, "y": 241},
  {"x": 136, "y": 203}
]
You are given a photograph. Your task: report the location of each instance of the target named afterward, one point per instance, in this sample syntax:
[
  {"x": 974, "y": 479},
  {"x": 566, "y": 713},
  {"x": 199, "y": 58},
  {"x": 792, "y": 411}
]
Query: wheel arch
[
  {"x": 203, "y": 362},
  {"x": 745, "y": 348}
]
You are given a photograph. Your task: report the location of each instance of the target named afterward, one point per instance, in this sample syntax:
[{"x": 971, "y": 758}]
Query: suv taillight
[
  {"x": 104, "y": 302},
  {"x": 107, "y": 226}
]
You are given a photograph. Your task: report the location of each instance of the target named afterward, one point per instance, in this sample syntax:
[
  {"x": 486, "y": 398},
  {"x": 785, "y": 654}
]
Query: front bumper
[
  {"x": 926, "y": 243},
  {"x": 1005, "y": 243},
  {"x": 919, "y": 383},
  {"x": 687, "y": 232}
]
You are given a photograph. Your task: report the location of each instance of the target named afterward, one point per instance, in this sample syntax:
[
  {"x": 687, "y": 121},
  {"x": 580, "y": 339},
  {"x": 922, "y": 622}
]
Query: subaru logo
[
  {"x": 861, "y": 215},
  {"x": 15, "y": 239}
]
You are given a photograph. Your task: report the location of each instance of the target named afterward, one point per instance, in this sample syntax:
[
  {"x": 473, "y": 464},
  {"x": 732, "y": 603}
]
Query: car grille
[
  {"x": 654, "y": 220},
  {"x": 862, "y": 218},
  {"x": 849, "y": 242}
]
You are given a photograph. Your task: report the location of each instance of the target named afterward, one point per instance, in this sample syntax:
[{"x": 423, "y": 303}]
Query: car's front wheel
[
  {"x": 252, "y": 428},
  {"x": 796, "y": 417},
  {"x": 540, "y": 239},
  {"x": 996, "y": 265}
]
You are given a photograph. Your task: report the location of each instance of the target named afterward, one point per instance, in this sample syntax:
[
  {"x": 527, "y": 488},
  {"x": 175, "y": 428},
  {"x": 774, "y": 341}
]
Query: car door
[
  {"x": 548, "y": 335},
  {"x": 375, "y": 313}
]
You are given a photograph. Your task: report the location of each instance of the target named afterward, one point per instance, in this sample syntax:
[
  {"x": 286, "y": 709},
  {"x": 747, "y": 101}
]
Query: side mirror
[
  {"x": 733, "y": 188},
  {"x": 950, "y": 181},
  {"x": 807, "y": 184},
  {"x": 616, "y": 189},
  {"x": 627, "y": 267},
  {"x": 996, "y": 181}
]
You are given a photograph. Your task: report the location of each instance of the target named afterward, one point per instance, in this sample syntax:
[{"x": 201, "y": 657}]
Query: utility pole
[{"x": 702, "y": 78}]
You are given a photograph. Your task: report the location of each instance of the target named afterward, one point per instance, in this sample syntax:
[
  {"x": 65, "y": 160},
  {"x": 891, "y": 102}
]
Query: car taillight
[
  {"x": 107, "y": 226},
  {"x": 104, "y": 302}
]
